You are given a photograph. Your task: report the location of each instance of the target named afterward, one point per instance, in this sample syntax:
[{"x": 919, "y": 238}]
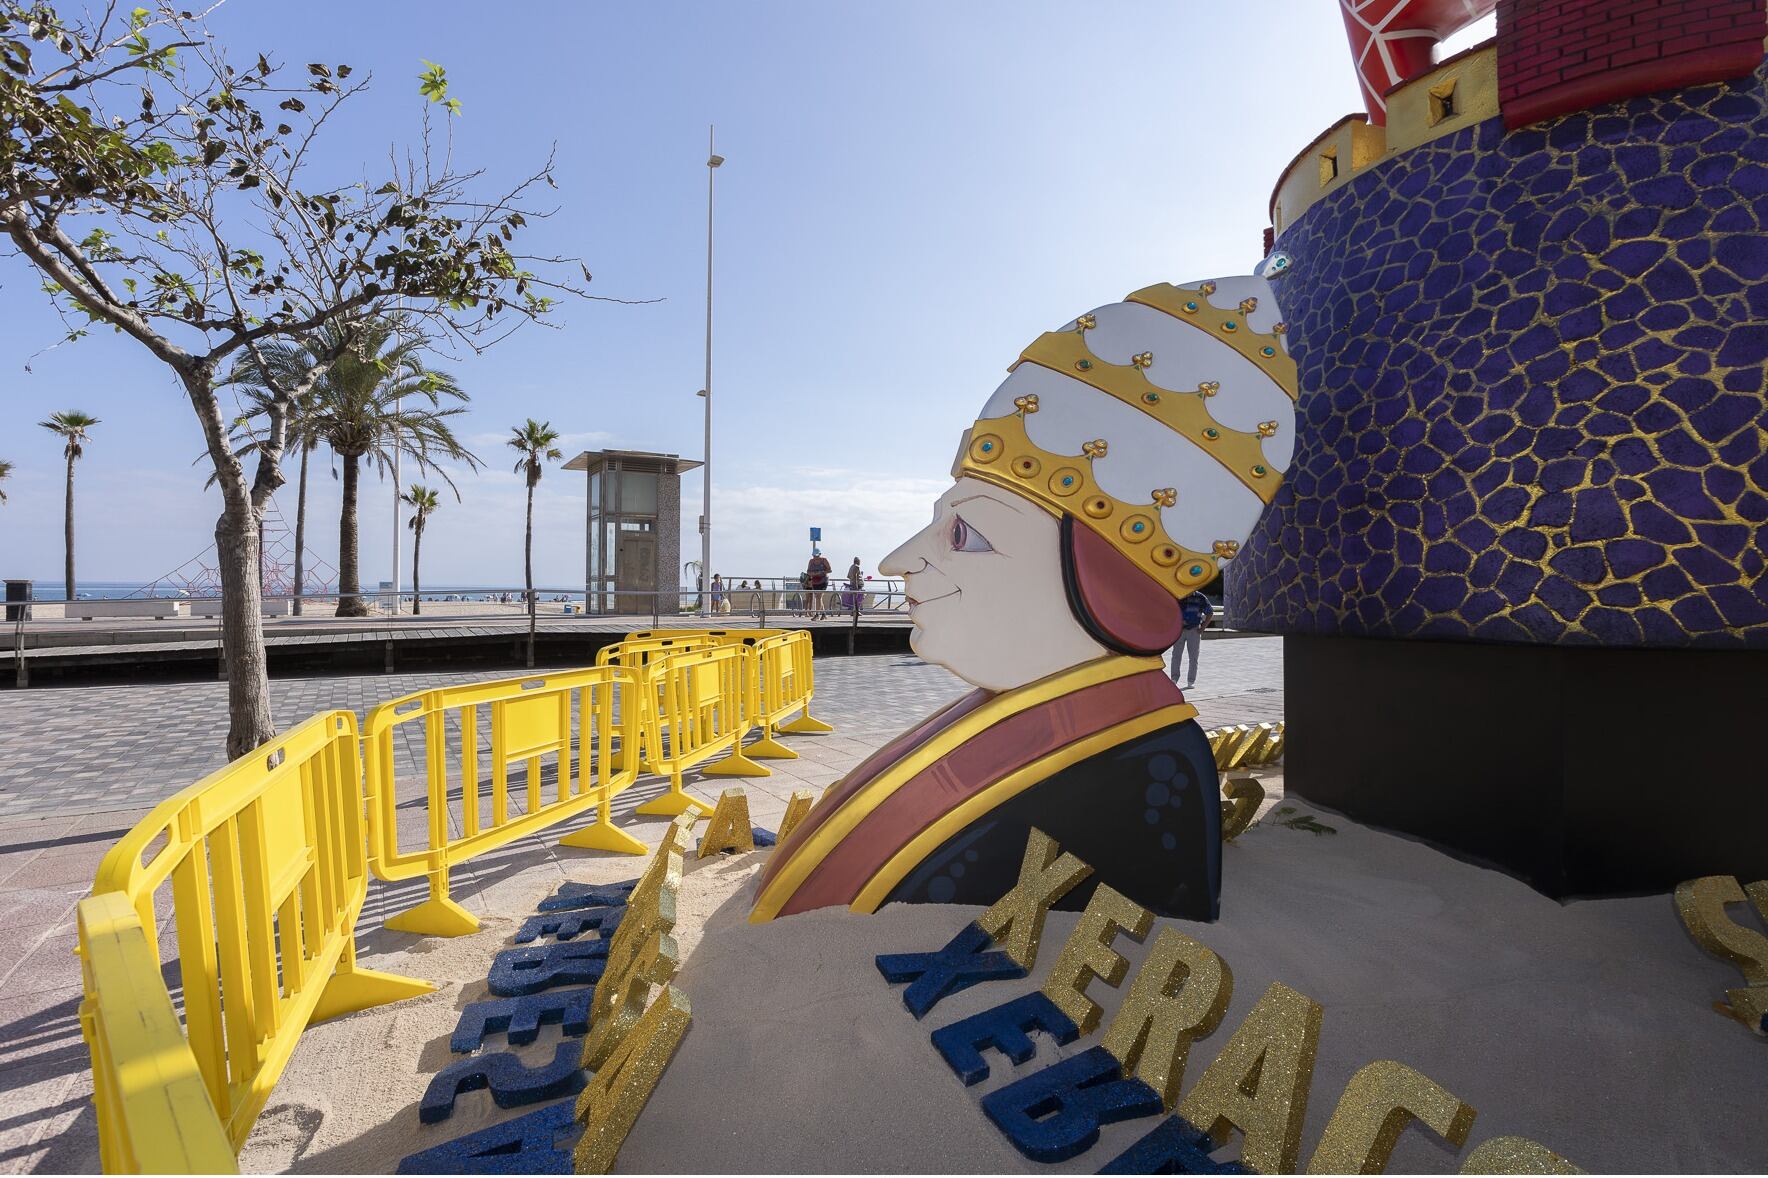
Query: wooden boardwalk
[{"x": 75, "y": 649}]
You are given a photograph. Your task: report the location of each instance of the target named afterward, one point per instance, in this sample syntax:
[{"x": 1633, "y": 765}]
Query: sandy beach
[{"x": 1587, "y": 1027}]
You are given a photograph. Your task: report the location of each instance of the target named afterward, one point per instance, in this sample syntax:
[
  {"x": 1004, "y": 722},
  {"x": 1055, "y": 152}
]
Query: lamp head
[{"x": 715, "y": 161}]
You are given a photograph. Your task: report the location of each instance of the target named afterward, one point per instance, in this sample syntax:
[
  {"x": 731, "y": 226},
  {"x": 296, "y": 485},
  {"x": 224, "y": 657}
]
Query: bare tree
[{"x": 164, "y": 192}]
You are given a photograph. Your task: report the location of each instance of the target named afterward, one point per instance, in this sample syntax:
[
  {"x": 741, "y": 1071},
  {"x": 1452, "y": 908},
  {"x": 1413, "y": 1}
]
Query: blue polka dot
[
  {"x": 1156, "y": 794},
  {"x": 957, "y": 870},
  {"x": 970, "y": 856},
  {"x": 1168, "y": 841},
  {"x": 1162, "y": 767},
  {"x": 1151, "y": 817},
  {"x": 941, "y": 890}
]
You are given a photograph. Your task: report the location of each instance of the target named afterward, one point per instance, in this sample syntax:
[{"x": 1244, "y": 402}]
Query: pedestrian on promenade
[
  {"x": 718, "y": 605},
  {"x": 856, "y": 581},
  {"x": 803, "y": 606},
  {"x": 819, "y": 569},
  {"x": 1196, "y": 612}
]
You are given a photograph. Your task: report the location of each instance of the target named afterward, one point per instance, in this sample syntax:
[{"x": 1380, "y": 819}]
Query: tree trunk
[
  {"x": 242, "y": 632},
  {"x": 68, "y": 531},
  {"x": 528, "y": 568},
  {"x": 417, "y": 551},
  {"x": 249, "y": 723},
  {"x": 349, "y": 584},
  {"x": 301, "y": 530}
]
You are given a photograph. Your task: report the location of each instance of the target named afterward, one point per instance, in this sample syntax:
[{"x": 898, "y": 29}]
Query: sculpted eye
[{"x": 965, "y": 538}]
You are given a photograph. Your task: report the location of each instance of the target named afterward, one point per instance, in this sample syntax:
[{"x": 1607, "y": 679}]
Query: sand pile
[{"x": 1586, "y": 1027}]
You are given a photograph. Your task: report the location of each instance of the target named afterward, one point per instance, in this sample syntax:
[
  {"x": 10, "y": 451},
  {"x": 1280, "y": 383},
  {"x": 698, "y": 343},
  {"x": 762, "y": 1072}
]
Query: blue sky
[{"x": 913, "y": 192}]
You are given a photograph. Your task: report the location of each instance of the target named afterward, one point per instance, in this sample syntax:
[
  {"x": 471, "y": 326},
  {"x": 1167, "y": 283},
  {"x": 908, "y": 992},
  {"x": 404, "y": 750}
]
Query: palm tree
[
  {"x": 359, "y": 409},
  {"x": 71, "y": 425},
  {"x": 5, "y": 473},
  {"x": 534, "y": 441},
  {"x": 422, "y": 500}
]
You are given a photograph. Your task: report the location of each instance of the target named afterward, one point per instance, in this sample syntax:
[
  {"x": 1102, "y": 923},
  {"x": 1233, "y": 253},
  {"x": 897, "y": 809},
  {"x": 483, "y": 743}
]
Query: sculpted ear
[{"x": 1117, "y": 603}]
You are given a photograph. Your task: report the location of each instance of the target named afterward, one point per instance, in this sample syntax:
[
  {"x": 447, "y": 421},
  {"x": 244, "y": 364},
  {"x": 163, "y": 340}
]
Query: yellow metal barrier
[
  {"x": 268, "y": 875},
  {"x": 706, "y": 706},
  {"x": 785, "y": 681},
  {"x": 641, "y": 650},
  {"x": 530, "y": 719},
  {"x": 154, "y": 1115}
]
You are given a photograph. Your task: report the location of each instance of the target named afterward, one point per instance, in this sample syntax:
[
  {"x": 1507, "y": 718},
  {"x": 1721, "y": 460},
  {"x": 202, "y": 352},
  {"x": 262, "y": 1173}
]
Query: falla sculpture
[{"x": 1118, "y": 468}]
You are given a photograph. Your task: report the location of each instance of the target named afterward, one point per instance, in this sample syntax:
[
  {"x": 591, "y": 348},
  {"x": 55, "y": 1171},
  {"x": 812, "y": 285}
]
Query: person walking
[
  {"x": 819, "y": 569},
  {"x": 718, "y": 605},
  {"x": 856, "y": 581},
  {"x": 1196, "y": 612}
]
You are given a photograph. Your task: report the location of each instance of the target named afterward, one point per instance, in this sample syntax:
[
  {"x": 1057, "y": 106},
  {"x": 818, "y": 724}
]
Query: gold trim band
[
  {"x": 999, "y": 452},
  {"x": 856, "y": 809},
  {"x": 1185, "y": 413},
  {"x": 1228, "y": 327}
]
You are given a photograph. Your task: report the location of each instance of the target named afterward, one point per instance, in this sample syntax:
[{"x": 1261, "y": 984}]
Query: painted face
[{"x": 984, "y": 582}]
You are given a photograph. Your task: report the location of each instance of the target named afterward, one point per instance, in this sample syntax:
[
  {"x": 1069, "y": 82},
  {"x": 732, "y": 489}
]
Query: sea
[{"x": 56, "y": 590}]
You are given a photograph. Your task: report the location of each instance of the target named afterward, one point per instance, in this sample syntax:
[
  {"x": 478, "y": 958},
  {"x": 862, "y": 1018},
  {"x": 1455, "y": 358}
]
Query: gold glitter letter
[
  {"x": 617, "y": 1094},
  {"x": 1178, "y": 997},
  {"x": 1244, "y": 796},
  {"x": 1701, "y": 904},
  {"x": 729, "y": 829},
  {"x": 1378, "y": 1103},
  {"x": 1089, "y": 954},
  {"x": 797, "y": 810},
  {"x": 1259, "y": 1083},
  {"x": 1043, "y": 879},
  {"x": 1515, "y": 1155},
  {"x": 617, "y": 1009}
]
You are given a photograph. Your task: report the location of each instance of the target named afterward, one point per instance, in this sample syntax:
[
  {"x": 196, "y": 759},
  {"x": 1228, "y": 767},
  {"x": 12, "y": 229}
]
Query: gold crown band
[
  {"x": 1228, "y": 327},
  {"x": 1185, "y": 413},
  {"x": 997, "y": 450}
]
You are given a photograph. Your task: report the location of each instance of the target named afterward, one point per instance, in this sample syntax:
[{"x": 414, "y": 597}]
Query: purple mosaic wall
[{"x": 1532, "y": 372}]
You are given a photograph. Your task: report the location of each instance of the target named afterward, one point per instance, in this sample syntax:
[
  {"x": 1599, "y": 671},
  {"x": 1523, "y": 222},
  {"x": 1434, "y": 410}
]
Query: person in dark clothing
[{"x": 1197, "y": 613}]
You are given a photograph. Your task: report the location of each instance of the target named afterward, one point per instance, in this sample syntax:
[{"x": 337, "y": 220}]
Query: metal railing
[{"x": 778, "y": 601}]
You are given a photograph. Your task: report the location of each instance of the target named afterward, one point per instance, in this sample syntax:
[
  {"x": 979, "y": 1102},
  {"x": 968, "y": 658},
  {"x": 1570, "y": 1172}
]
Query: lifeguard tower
[{"x": 632, "y": 541}]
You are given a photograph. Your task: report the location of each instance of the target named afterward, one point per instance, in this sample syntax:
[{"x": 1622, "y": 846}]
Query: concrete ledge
[
  {"x": 133, "y": 607},
  {"x": 210, "y": 607}
]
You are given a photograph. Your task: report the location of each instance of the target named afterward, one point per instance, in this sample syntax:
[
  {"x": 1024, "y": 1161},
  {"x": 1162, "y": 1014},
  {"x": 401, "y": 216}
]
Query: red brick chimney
[{"x": 1558, "y": 56}]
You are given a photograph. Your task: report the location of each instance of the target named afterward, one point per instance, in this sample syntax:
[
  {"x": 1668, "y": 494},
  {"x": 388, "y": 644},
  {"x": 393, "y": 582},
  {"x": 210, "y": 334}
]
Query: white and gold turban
[{"x": 1164, "y": 423}]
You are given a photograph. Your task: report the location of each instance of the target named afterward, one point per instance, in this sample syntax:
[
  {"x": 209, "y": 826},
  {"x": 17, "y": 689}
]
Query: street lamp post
[{"x": 713, "y": 159}]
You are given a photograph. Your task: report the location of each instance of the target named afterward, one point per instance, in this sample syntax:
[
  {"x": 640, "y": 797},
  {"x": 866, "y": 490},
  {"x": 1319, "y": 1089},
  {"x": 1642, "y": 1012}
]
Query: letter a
[{"x": 1259, "y": 1083}]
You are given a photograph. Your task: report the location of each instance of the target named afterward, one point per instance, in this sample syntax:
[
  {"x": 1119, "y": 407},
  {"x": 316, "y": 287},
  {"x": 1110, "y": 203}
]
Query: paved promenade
[{"x": 80, "y": 765}]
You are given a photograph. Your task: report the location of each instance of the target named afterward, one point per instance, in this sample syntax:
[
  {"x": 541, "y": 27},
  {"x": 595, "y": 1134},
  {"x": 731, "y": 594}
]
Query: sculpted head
[
  {"x": 982, "y": 579},
  {"x": 1114, "y": 472}
]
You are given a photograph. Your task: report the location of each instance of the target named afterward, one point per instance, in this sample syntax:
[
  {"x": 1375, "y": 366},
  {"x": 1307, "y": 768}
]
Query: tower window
[{"x": 1442, "y": 102}]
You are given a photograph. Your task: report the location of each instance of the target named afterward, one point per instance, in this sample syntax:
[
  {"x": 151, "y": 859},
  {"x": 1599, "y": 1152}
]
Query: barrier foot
[
  {"x": 436, "y": 917},
  {"x": 737, "y": 765},
  {"x": 771, "y": 749},
  {"x": 806, "y": 724},
  {"x": 674, "y": 802},
  {"x": 358, "y": 989},
  {"x": 605, "y": 836}
]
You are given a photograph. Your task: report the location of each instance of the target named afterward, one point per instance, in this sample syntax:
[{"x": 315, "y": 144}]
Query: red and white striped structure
[{"x": 1392, "y": 40}]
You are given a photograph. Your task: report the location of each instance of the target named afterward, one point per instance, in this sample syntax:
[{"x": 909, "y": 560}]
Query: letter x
[{"x": 958, "y": 966}]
